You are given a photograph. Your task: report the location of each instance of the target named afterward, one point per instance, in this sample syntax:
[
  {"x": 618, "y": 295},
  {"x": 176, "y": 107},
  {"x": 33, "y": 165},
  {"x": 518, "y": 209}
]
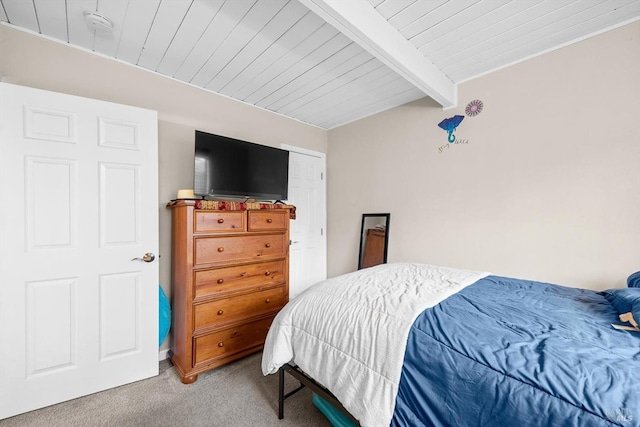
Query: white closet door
[
  {"x": 308, "y": 253},
  {"x": 79, "y": 185}
]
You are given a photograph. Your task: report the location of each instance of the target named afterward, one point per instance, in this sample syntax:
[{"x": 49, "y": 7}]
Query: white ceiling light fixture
[{"x": 97, "y": 22}]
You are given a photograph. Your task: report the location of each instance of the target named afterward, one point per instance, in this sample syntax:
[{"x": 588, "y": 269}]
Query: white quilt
[{"x": 350, "y": 332}]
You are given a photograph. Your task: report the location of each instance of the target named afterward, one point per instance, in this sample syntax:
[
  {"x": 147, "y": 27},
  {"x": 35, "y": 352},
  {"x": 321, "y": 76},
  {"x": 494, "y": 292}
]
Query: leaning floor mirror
[{"x": 374, "y": 239}]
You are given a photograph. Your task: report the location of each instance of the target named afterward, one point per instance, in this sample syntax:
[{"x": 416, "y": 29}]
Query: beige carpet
[{"x": 233, "y": 395}]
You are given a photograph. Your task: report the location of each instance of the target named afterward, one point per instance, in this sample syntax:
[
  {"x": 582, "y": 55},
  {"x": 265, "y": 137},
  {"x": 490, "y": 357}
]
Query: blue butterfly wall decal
[{"x": 450, "y": 126}]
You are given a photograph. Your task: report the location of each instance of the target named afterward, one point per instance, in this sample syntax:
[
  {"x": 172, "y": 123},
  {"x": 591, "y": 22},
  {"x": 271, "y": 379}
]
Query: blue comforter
[{"x": 506, "y": 352}]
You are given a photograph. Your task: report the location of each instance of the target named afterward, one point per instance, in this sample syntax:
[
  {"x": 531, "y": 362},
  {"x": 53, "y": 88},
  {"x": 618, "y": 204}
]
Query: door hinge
[
  {"x": 322, "y": 231},
  {"x": 321, "y": 176}
]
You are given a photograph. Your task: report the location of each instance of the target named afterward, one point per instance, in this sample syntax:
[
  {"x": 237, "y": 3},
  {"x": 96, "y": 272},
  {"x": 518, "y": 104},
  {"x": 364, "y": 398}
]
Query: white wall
[
  {"x": 29, "y": 60},
  {"x": 547, "y": 188}
]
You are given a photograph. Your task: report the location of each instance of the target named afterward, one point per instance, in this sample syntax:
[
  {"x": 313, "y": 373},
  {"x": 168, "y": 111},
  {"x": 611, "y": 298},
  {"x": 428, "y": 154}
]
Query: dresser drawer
[
  {"x": 268, "y": 220},
  {"x": 229, "y": 341},
  {"x": 219, "y": 281},
  {"x": 239, "y": 307},
  {"x": 212, "y": 250},
  {"x": 218, "y": 221}
]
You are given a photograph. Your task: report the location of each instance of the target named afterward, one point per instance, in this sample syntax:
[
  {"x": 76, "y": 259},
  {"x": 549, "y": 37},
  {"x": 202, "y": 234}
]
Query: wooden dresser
[{"x": 230, "y": 277}]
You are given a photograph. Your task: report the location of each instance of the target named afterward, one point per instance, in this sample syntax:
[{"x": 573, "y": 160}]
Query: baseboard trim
[{"x": 163, "y": 354}]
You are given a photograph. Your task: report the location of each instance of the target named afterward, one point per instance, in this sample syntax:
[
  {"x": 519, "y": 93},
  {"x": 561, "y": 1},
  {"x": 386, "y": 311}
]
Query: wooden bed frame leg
[{"x": 281, "y": 393}]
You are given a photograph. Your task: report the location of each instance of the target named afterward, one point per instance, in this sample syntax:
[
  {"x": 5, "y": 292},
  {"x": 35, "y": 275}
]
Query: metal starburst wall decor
[{"x": 473, "y": 108}]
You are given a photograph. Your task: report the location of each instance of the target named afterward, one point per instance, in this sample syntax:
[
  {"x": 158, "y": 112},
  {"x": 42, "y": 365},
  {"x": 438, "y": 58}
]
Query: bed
[{"x": 410, "y": 344}]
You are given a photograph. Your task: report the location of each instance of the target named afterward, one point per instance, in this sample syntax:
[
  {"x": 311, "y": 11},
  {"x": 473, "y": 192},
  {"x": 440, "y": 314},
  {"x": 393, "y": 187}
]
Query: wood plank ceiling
[{"x": 309, "y": 59}]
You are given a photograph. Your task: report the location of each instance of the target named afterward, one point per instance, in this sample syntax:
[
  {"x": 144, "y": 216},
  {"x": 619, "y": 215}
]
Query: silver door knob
[{"x": 148, "y": 257}]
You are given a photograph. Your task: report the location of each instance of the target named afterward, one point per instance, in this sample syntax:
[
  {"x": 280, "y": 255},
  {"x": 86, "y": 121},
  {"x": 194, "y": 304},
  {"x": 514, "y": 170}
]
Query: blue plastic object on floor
[
  {"x": 335, "y": 417},
  {"x": 164, "y": 316}
]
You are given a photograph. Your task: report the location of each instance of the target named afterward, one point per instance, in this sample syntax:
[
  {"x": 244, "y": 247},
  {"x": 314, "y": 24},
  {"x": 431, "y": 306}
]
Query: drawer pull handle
[
  {"x": 220, "y": 312},
  {"x": 220, "y": 220},
  {"x": 267, "y": 301},
  {"x": 220, "y": 281},
  {"x": 220, "y": 344},
  {"x": 268, "y": 245},
  {"x": 267, "y": 273},
  {"x": 269, "y": 220},
  {"x": 220, "y": 249}
]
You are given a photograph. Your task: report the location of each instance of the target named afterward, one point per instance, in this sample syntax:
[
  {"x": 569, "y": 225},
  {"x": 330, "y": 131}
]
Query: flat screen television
[{"x": 228, "y": 167}]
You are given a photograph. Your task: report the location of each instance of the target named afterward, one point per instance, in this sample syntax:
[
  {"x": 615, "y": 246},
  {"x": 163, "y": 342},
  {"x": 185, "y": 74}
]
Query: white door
[
  {"x": 79, "y": 200},
  {"x": 308, "y": 253}
]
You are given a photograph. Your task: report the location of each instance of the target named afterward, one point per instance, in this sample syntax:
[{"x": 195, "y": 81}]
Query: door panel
[
  {"x": 78, "y": 180},
  {"x": 118, "y": 134},
  {"x": 50, "y": 125},
  {"x": 50, "y": 192},
  {"x": 51, "y": 312},
  {"x": 119, "y": 314},
  {"x": 119, "y": 200}
]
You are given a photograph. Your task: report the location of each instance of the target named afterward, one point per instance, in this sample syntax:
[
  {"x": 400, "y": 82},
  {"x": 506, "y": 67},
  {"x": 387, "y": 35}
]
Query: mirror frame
[{"x": 387, "y": 217}]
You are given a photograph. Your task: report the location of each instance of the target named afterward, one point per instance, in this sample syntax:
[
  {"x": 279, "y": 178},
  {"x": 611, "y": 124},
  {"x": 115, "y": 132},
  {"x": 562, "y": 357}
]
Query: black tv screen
[{"x": 228, "y": 167}]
